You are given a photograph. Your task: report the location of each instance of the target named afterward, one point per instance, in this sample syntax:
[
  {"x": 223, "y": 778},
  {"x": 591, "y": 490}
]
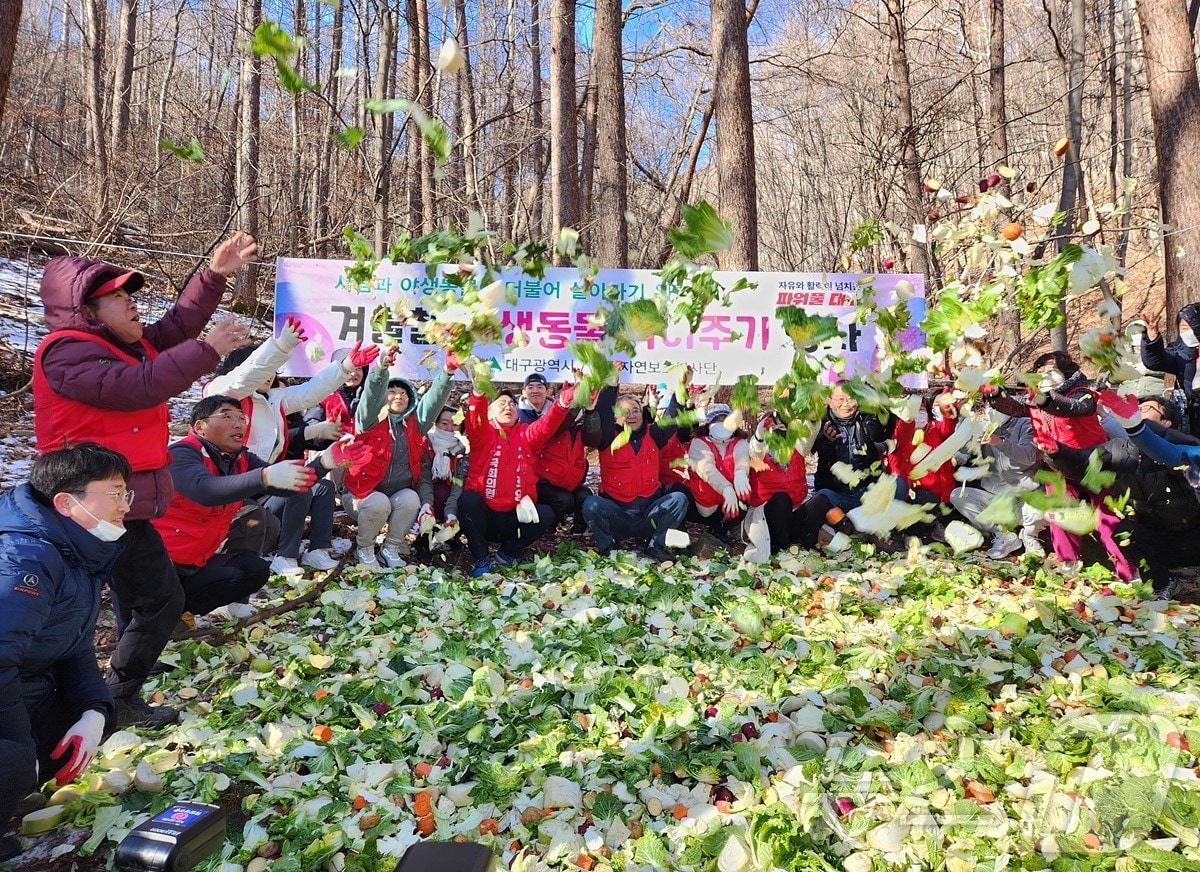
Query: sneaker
[
  {"x": 133, "y": 711},
  {"x": 1169, "y": 591},
  {"x": 389, "y": 557},
  {"x": 507, "y": 559},
  {"x": 281, "y": 565},
  {"x": 1032, "y": 545},
  {"x": 319, "y": 559},
  {"x": 1003, "y": 545},
  {"x": 482, "y": 567},
  {"x": 234, "y": 611},
  {"x": 365, "y": 558}
]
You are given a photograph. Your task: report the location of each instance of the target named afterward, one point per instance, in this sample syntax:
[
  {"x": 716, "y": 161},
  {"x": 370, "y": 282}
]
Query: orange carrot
[
  {"x": 489, "y": 827},
  {"x": 422, "y": 769},
  {"x": 322, "y": 733},
  {"x": 680, "y": 812},
  {"x": 583, "y": 861},
  {"x": 426, "y": 825},
  {"x": 422, "y": 804},
  {"x": 360, "y": 802},
  {"x": 321, "y": 693}
]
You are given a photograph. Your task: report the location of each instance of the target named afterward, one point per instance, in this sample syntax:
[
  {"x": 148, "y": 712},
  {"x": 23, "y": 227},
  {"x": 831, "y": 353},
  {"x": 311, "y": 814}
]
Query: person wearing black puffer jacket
[{"x": 1177, "y": 358}]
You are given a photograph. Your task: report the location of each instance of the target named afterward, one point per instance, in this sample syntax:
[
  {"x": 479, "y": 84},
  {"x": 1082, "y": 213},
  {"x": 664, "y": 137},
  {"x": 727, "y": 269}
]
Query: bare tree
[
  {"x": 385, "y": 53},
  {"x": 123, "y": 85},
  {"x": 910, "y": 158},
  {"x": 246, "y": 184},
  {"x": 737, "y": 193},
  {"x": 564, "y": 143},
  {"x": 94, "y": 12},
  {"x": 611, "y": 243},
  {"x": 10, "y": 18}
]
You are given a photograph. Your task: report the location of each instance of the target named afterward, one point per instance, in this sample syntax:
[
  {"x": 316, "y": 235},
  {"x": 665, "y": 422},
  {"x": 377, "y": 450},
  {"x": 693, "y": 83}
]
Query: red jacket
[
  {"x": 336, "y": 410},
  {"x": 672, "y": 461},
  {"x": 773, "y": 478},
  {"x": 88, "y": 373},
  {"x": 704, "y": 493},
  {"x": 192, "y": 532},
  {"x": 900, "y": 461},
  {"x": 563, "y": 462},
  {"x": 626, "y": 474},
  {"x": 1081, "y": 432},
  {"x": 365, "y": 477},
  {"x": 140, "y": 435},
  {"x": 504, "y": 460}
]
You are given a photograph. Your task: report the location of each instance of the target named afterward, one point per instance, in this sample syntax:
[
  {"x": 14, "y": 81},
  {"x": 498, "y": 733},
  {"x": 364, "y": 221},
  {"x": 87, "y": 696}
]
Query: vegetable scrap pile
[{"x": 611, "y": 714}]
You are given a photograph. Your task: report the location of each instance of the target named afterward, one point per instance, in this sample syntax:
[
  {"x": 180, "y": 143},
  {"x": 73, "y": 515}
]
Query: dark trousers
[
  {"x": 784, "y": 523},
  {"x": 482, "y": 525},
  {"x": 254, "y": 531},
  {"x": 148, "y": 600},
  {"x": 610, "y": 522},
  {"x": 812, "y": 518},
  {"x": 563, "y": 502},
  {"x": 224, "y": 579},
  {"x": 47, "y": 717},
  {"x": 292, "y": 511},
  {"x": 1157, "y": 551}
]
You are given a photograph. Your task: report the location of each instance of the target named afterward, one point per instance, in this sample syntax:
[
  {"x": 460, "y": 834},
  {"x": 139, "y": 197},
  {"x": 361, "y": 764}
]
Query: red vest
[
  {"x": 1082, "y": 432},
  {"x": 703, "y": 492},
  {"x": 140, "y": 435},
  {"x": 336, "y": 410},
  {"x": 626, "y": 474},
  {"x": 563, "y": 462},
  {"x": 503, "y": 466},
  {"x": 365, "y": 477},
  {"x": 672, "y": 461},
  {"x": 900, "y": 461},
  {"x": 248, "y": 411},
  {"x": 775, "y": 478},
  {"x": 192, "y": 532}
]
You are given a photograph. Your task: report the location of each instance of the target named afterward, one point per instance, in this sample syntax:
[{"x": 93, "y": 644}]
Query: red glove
[
  {"x": 389, "y": 356},
  {"x": 566, "y": 396},
  {"x": 359, "y": 356},
  {"x": 294, "y": 323},
  {"x": 82, "y": 740},
  {"x": 345, "y": 454},
  {"x": 989, "y": 390},
  {"x": 452, "y": 362}
]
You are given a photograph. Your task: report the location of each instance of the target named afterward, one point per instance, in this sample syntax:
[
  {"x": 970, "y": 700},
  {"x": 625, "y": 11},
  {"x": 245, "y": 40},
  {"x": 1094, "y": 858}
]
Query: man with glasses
[
  {"x": 214, "y": 474},
  {"x": 101, "y": 375},
  {"x": 60, "y": 534}
]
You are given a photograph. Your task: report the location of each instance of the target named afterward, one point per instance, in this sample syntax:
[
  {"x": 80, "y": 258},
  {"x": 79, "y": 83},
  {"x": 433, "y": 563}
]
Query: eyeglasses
[
  {"x": 125, "y": 496},
  {"x": 227, "y": 417}
]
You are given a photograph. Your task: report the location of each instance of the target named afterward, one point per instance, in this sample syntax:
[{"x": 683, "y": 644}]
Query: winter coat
[
  {"x": 630, "y": 474},
  {"x": 1177, "y": 358},
  {"x": 858, "y": 441},
  {"x": 504, "y": 459},
  {"x": 905, "y": 456},
  {"x": 51, "y": 570},
  {"x": 1066, "y": 417},
  {"x": 1014, "y": 461},
  {"x": 86, "y": 372},
  {"x": 563, "y": 462},
  {"x": 713, "y": 468}
]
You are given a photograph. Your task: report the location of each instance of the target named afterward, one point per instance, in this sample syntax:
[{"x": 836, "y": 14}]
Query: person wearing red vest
[
  {"x": 774, "y": 517},
  {"x": 102, "y": 375},
  {"x": 393, "y": 486},
  {"x": 936, "y": 485},
  {"x": 498, "y": 499},
  {"x": 562, "y": 464},
  {"x": 632, "y": 503},
  {"x": 719, "y": 470},
  {"x": 214, "y": 473}
]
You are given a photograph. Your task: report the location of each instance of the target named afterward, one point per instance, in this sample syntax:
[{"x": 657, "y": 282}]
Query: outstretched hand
[{"x": 231, "y": 254}]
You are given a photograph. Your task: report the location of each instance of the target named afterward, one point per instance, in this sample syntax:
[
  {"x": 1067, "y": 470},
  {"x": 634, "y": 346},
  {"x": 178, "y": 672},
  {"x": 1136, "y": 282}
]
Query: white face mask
[
  {"x": 921, "y": 420},
  {"x": 1051, "y": 380},
  {"x": 1189, "y": 338},
  {"x": 719, "y": 431},
  {"x": 105, "y": 531}
]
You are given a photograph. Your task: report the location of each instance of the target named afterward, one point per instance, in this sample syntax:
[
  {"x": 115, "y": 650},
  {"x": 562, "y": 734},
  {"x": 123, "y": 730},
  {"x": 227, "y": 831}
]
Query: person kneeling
[
  {"x": 59, "y": 539},
  {"x": 214, "y": 473},
  {"x": 498, "y": 499}
]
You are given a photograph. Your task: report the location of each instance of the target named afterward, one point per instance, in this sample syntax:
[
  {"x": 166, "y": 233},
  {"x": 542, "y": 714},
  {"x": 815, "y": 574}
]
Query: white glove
[
  {"x": 731, "y": 502},
  {"x": 289, "y": 336},
  {"x": 84, "y": 740},
  {"x": 760, "y": 432},
  {"x": 526, "y": 511},
  {"x": 451, "y": 521},
  {"x": 425, "y": 520},
  {"x": 741, "y": 483},
  {"x": 1038, "y": 398},
  {"x": 326, "y": 431},
  {"x": 449, "y": 530},
  {"x": 290, "y": 475}
]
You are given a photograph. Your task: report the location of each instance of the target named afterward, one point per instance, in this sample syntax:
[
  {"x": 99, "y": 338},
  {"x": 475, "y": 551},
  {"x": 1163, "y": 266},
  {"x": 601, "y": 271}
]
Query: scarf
[{"x": 445, "y": 446}]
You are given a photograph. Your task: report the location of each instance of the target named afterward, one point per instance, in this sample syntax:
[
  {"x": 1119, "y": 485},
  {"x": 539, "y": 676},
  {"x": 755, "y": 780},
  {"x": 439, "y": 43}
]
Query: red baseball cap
[{"x": 130, "y": 281}]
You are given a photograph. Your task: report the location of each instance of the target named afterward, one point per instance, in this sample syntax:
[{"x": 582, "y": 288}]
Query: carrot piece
[
  {"x": 426, "y": 825},
  {"x": 422, "y": 769},
  {"x": 322, "y": 733},
  {"x": 489, "y": 827},
  {"x": 321, "y": 693},
  {"x": 680, "y": 812},
  {"x": 583, "y": 861},
  {"x": 359, "y": 803},
  {"x": 422, "y": 804}
]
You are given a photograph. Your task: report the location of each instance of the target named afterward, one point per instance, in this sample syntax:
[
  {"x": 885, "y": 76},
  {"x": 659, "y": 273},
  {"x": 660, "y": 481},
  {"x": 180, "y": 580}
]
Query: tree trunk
[
  {"x": 413, "y": 176},
  {"x": 299, "y": 17},
  {"x": 10, "y": 18},
  {"x": 123, "y": 84},
  {"x": 587, "y": 161},
  {"x": 611, "y": 243},
  {"x": 1126, "y": 121},
  {"x": 385, "y": 53},
  {"x": 537, "y": 204},
  {"x": 325, "y": 167},
  {"x": 910, "y": 158},
  {"x": 1175, "y": 110},
  {"x": 465, "y": 91},
  {"x": 737, "y": 193},
  {"x": 1072, "y": 166},
  {"x": 1010, "y": 320},
  {"x": 428, "y": 192},
  {"x": 564, "y": 142},
  {"x": 249, "y": 90},
  {"x": 94, "y": 87}
]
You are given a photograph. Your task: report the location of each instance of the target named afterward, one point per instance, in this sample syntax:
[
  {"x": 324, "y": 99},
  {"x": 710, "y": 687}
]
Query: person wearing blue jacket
[{"x": 59, "y": 538}]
